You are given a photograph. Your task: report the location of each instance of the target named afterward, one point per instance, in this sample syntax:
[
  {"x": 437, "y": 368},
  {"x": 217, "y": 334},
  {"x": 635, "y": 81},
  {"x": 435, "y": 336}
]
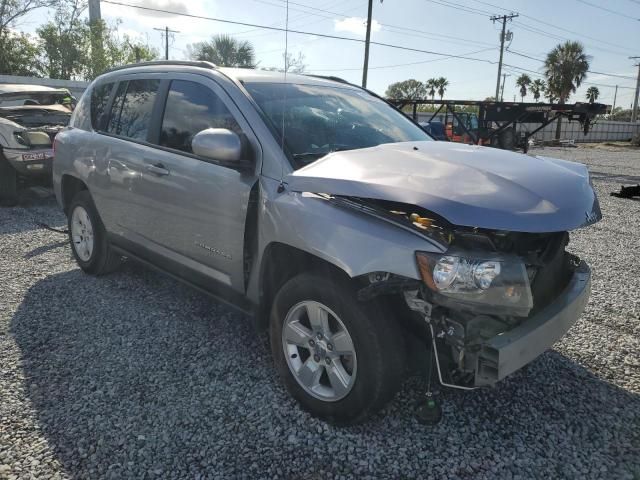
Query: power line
[
  {"x": 542, "y": 32},
  {"x": 335, "y": 37},
  {"x": 401, "y": 29},
  {"x": 399, "y": 64},
  {"x": 520, "y": 54},
  {"x": 460, "y": 8},
  {"x": 534, "y": 72},
  {"x": 301, "y": 32},
  {"x": 607, "y": 10}
]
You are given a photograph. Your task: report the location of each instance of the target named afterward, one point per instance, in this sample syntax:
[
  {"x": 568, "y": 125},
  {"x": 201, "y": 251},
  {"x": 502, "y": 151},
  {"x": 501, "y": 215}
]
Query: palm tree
[
  {"x": 592, "y": 94},
  {"x": 441, "y": 84},
  {"x": 523, "y": 81},
  {"x": 537, "y": 88},
  {"x": 224, "y": 51},
  {"x": 431, "y": 86},
  {"x": 565, "y": 67}
]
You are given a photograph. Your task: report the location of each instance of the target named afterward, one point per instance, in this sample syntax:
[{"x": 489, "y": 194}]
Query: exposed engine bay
[
  {"x": 460, "y": 327},
  {"x": 33, "y": 126}
]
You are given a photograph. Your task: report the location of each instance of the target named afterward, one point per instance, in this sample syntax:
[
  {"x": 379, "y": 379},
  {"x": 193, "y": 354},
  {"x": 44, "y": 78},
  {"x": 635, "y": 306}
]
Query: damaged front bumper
[
  {"x": 484, "y": 360},
  {"x": 36, "y": 161},
  {"x": 507, "y": 352}
]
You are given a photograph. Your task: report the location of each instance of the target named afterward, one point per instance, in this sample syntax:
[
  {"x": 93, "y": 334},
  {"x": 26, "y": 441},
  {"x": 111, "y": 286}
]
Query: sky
[{"x": 609, "y": 31}]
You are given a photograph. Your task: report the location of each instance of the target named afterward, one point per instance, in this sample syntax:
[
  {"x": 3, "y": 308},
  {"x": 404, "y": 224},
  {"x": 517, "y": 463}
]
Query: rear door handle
[{"x": 157, "y": 169}]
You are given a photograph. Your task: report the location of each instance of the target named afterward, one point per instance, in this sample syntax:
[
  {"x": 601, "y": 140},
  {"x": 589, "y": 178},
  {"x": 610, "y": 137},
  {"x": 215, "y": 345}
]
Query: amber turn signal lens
[{"x": 426, "y": 270}]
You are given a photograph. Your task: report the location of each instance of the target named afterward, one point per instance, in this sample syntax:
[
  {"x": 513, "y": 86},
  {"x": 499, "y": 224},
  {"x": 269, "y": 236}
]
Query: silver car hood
[{"x": 466, "y": 184}]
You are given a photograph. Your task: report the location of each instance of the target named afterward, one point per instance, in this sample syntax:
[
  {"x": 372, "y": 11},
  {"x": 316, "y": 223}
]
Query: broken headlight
[{"x": 469, "y": 278}]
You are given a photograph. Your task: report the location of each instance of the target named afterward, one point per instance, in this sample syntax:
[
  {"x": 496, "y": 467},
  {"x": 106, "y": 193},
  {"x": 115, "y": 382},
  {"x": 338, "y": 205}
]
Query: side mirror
[{"x": 218, "y": 144}]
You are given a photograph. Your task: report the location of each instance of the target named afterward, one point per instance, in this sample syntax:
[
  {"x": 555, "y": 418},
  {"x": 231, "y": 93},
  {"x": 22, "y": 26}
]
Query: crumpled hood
[{"x": 466, "y": 184}]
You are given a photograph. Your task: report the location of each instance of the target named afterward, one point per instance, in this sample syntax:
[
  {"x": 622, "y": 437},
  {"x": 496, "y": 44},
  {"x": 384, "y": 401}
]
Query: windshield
[{"x": 320, "y": 119}]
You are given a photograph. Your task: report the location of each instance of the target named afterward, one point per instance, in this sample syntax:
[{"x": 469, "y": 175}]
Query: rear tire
[
  {"x": 348, "y": 388},
  {"x": 88, "y": 237},
  {"x": 8, "y": 183}
]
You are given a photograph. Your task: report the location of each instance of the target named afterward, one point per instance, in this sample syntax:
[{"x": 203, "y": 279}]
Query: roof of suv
[{"x": 238, "y": 74}]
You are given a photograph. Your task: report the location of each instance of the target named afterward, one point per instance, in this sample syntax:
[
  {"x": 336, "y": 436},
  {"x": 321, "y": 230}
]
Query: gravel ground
[{"x": 134, "y": 375}]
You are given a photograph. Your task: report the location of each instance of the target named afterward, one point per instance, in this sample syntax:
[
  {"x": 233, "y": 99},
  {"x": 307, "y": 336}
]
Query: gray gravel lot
[{"x": 136, "y": 376}]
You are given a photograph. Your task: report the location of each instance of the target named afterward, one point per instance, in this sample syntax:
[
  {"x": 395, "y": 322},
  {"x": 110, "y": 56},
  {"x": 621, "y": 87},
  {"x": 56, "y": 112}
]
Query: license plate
[{"x": 34, "y": 156}]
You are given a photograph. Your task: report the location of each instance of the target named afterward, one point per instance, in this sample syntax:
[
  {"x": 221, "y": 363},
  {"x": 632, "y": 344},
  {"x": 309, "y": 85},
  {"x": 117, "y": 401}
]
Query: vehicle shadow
[
  {"x": 32, "y": 210},
  {"x": 46, "y": 248},
  {"x": 132, "y": 373},
  {"x": 139, "y": 376}
]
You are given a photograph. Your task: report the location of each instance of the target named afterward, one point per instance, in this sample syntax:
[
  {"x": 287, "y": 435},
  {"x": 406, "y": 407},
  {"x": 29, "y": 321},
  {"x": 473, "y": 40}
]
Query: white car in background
[{"x": 30, "y": 117}]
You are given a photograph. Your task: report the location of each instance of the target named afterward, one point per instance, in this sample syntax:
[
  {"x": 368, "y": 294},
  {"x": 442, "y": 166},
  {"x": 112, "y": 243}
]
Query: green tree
[
  {"x": 17, "y": 55},
  {"x": 523, "y": 81},
  {"x": 73, "y": 48},
  {"x": 566, "y": 68},
  {"x": 64, "y": 41},
  {"x": 537, "y": 88},
  {"x": 431, "y": 86},
  {"x": 442, "y": 84},
  {"x": 224, "y": 51},
  {"x": 592, "y": 94},
  {"x": 406, "y": 90}
]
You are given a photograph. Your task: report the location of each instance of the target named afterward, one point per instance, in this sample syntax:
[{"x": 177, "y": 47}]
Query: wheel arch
[
  {"x": 69, "y": 187},
  {"x": 281, "y": 262}
]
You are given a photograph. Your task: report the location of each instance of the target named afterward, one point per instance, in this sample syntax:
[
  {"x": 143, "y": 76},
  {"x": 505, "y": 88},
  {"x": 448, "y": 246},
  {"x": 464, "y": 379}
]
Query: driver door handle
[{"x": 157, "y": 169}]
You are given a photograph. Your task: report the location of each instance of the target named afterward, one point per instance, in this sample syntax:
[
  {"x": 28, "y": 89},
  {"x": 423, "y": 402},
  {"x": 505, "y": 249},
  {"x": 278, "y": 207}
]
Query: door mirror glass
[{"x": 218, "y": 144}]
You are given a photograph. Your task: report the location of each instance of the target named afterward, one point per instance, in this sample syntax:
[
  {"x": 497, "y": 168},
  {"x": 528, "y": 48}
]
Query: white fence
[
  {"x": 601, "y": 131},
  {"x": 75, "y": 87}
]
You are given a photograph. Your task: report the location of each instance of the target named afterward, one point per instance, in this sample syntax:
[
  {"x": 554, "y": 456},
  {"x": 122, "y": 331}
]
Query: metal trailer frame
[{"x": 508, "y": 114}]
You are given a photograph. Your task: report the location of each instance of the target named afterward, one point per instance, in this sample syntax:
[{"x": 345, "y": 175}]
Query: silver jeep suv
[{"x": 333, "y": 220}]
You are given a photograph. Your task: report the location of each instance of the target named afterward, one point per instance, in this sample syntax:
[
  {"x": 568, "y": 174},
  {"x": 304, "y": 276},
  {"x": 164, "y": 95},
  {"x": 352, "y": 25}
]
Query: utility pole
[
  {"x": 166, "y": 39},
  {"x": 634, "y": 112},
  {"x": 615, "y": 96},
  {"x": 94, "y": 11},
  {"x": 98, "y": 64},
  {"x": 504, "y": 78},
  {"x": 504, "y": 19},
  {"x": 366, "y": 46}
]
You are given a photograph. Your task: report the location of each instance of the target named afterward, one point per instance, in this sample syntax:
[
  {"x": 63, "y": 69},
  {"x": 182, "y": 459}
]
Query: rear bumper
[
  {"x": 505, "y": 353},
  {"x": 32, "y": 162}
]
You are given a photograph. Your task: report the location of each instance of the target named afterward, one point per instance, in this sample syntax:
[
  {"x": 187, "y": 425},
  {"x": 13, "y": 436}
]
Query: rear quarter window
[
  {"x": 99, "y": 99},
  {"x": 81, "y": 117}
]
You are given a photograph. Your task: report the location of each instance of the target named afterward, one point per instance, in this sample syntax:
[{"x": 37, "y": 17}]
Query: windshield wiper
[{"x": 307, "y": 155}]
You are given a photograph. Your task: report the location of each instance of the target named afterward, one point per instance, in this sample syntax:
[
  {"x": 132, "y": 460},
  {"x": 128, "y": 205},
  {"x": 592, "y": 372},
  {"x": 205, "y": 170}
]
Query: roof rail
[
  {"x": 187, "y": 63},
  {"x": 330, "y": 77}
]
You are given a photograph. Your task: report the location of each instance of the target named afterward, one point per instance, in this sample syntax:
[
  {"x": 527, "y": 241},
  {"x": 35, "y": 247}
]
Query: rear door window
[
  {"x": 192, "y": 107},
  {"x": 99, "y": 99},
  {"x": 132, "y": 108}
]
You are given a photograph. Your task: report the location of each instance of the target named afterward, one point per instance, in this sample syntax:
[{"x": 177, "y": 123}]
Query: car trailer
[{"x": 497, "y": 121}]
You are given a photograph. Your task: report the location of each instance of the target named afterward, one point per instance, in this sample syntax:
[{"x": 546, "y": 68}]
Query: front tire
[
  {"x": 341, "y": 359},
  {"x": 88, "y": 237}
]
